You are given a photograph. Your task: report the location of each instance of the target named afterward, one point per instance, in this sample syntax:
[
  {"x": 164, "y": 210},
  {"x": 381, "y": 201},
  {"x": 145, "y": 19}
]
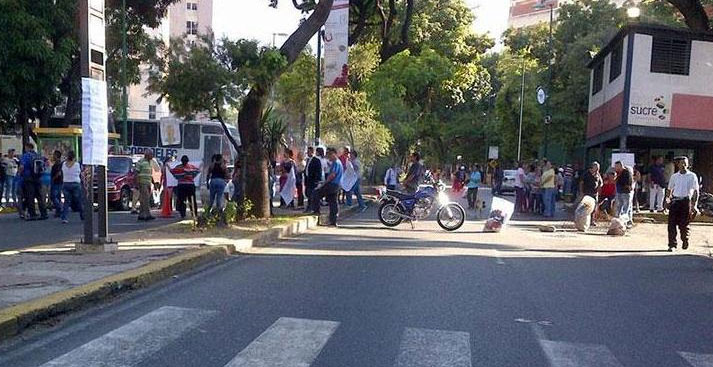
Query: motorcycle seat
[{"x": 399, "y": 195}]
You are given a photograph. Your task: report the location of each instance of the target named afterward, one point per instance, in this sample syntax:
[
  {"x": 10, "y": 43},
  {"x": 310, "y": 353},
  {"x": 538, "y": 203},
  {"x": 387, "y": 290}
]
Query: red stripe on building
[
  {"x": 606, "y": 116},
  {"x": 526, "y": 7},
  {"x": 692, "y": 112}
]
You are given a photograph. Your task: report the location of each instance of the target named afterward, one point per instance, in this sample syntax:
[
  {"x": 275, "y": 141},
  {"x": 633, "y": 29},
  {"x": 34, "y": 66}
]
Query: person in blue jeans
[
  {"x": 356, "y": 189},
  {"x": 71, "y": 187},
  {"x": 330, "y": 189},
  {"x": 217, "y": 176}
]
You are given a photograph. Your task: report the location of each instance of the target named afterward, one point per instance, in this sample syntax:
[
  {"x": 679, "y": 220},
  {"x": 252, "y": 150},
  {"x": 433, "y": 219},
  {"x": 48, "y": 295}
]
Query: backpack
[{"x": 38, "y": 167}]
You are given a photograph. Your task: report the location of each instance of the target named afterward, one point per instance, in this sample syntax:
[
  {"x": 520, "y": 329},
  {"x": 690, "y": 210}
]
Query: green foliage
[
  {"x": 36, "y": 47},
  {"x": 295, "y": 97},
  {"x": 210, "y": 76},
  {"x": 273, "y": 133},
  {"x": 235, "y": 212}
]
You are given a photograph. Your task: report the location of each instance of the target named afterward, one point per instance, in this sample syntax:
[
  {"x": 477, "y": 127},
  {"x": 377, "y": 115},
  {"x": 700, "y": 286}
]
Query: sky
[{"x": 254, "y": 19}]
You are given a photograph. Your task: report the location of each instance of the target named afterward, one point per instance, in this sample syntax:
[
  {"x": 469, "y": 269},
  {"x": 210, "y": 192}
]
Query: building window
[
  {"x": 191, "y": 27},
  {"x": 191, "y": 6},
  {"x": 670, "y": 55},
  {"x": 616, "y": 61},
  {"x": 191, "y": 136},
  {"x": 152, "y": 112},
  {"x": 145, "y": 133},
  {"x": 598, "y": 81}
]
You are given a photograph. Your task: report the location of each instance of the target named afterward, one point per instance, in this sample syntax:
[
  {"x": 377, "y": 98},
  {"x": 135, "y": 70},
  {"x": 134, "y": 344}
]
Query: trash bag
[
  {"x": 617, "y": 226},
  {"x": 501, "y": 211},
  {"x": 583, "y": 213}
]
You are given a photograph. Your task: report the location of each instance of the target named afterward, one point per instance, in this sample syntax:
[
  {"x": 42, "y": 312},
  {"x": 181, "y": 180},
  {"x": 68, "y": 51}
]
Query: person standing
[
  {"x": 185, "y": 173},
  {"x": 31, "y": 169},
  {"x": 590, "y": 183},
  {"x": 414, "y": 176},
  {"x": 683, "y": 197},
  {"x": 301, "y": 165},
  {"x": 313, "y": 174},
  {"x": 658, "y": 185},
  {"x": 11, "y": 163},
  {"x": 356, "y": 189},
  {"x": 498, "y": 175},
  {"x": 568, "y": 176},
  {"x": 288, "y": 179},
  {"x": 71, "y": 187},
  {"x": 217, "y": 179},
  {"x": 343, "y": 158},
  {"x": 144, "y": 170},
  {"x": 520, "y": 201},
  {"x": 549, "y": 189},
  {"x": 391, "y": 178},
  {"x": 46, "y": 181},
  {"x": 330, "y": 188},
  {"x": 624, "y": 192},
  {"x": 56, "y": 183},
  {"x": 473, "y": 183}
]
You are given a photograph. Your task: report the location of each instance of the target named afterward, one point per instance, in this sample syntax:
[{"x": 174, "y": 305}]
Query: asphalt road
[
  {"x": 16, "y": 233},
  {"x": 365, "y": 296}
]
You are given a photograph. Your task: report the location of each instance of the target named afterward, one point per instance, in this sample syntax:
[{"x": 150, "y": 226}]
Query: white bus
[{"x": 199, "y": 140}]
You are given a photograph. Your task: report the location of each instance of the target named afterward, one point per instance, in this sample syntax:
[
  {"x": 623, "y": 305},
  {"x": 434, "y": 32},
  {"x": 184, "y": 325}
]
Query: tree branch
[
  {"x": 694, "y": 14},
  {"x": 298, "y": 40}
]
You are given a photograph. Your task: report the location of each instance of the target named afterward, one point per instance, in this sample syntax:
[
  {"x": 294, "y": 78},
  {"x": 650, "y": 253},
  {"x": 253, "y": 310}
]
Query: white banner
[
  {"x": 627, "y": 159},
  {"x": 170, "y": 132},
  {"x": 336, "y": 45},
  {"x": 95, "y": 122},
  {"x": 493, "y": 152}
]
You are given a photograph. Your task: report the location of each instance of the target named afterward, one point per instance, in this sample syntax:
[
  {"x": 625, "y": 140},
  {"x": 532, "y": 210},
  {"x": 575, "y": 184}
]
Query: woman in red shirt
[{"x": 607, "y": 192}]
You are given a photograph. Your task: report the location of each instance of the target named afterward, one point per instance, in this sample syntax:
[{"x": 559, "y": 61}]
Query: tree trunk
[
  {"x": 255, "y": 162},
  {"x": 694, "y": 14}
]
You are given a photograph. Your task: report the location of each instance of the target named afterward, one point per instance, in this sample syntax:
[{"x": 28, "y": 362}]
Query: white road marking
[
  {"x": 434, "y": 348},
  {"x": 130, "y": 344},
  {"x": 288, "y": 342},
  {"x": 561, "y": 354},
  {"x": 697, "y": 360}
]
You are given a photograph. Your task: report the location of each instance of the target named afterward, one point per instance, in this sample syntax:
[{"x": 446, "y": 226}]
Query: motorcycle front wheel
[
  {"x": 451, "y": 216},
  {"x": 388, "y": 214}
]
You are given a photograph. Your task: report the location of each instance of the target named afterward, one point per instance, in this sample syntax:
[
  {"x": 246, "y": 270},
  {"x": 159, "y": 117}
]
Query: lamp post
[
  {"x": 632, "y": 10},
  {"x": 318, "y": 95},
  {"x": 522, "y": 102},
  {"x": 548, "y": 110}
]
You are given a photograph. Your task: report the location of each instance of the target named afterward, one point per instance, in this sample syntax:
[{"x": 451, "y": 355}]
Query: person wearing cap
[
  {"x": 185, "y": 173},
  {"x": 683, "y": 192}
]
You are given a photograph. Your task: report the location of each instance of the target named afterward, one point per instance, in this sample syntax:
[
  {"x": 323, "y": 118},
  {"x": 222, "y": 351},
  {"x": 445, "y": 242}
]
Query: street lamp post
[
  {"x": 632, "y": 10},
  {"x": 522, "y": 101},
  {"x": 548, "y": 109},
  {"x": 318, "y": 96}
]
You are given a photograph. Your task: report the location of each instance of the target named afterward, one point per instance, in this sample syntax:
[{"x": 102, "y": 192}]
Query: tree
[
  {"x": 295, "y": 93},
  {"x": 37, "y": 46},
  {"x": 694, "y": 13}
]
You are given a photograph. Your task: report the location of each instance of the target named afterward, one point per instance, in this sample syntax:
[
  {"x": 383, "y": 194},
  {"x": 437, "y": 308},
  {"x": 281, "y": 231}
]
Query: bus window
[
  {"x": 174, "y": 145},
  {"x": 211, "y": 147},
  {"x": 207, "y": 129},
  {"x": 145, "y": 133},
  {"x": 129, "y": 130},
  {"x": 191, "y": 136}
]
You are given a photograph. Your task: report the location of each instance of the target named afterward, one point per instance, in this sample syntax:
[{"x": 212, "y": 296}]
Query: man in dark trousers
[
  {"x": 683, "y": 193},
  {"x": 185, "y": 173},
  {"x": 330, "y": 188},
  {"x": 31, "y": 168},
  {"x": 313, "y": 174}
]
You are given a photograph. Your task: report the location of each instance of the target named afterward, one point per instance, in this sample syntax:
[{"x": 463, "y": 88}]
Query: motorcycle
[{"x": 395, "y": 206}]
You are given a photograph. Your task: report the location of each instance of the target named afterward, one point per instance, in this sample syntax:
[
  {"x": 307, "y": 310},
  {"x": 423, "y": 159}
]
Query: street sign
[
  {"x": 548, "y": 119},
  {"x": 541, "y": 95},
  {"x": 493, "y": 152}
]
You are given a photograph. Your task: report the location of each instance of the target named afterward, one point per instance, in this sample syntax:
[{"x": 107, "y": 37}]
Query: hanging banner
[
  {"x": 95, "y": 122},
  {"x": 336, "y": 45},
  {"x": 170, "y": 132}
]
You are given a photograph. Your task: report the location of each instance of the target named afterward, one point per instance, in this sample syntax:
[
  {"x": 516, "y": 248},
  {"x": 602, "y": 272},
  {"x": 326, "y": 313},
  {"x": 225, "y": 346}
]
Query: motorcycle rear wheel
[
  {"x": 387, "y": 216},
  {"x": 451, "y": 216}
]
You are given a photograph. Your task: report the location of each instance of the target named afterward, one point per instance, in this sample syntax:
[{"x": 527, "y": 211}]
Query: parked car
[
  {"x": 121, "y": 180},
  {"x": 509, "y": 176}
]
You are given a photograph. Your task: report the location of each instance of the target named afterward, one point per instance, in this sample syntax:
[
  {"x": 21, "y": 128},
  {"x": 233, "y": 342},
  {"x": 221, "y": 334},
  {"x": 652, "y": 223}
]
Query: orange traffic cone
[{"x": 166, "y": 207}]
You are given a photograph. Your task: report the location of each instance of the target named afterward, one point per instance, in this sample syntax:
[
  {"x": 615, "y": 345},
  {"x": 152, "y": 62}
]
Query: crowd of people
[
  {"x": 34, "y": 184},
  {"x": 320, "y": 177}
]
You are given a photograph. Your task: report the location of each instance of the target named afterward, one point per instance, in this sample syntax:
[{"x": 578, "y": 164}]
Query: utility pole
[
  {"x": 124, "y": 95},
  {"x": 522, "y": 105},
  {"x": 318, "y": 96},
  {"x": 93, "y": 71},
  {"x": 548, "y": 106}
]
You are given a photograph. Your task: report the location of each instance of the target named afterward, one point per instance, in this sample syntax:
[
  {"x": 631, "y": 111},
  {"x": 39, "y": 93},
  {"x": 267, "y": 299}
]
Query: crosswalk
[{"x": 295, "y": 342}]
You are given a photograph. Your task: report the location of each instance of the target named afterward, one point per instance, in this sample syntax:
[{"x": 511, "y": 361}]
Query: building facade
[
  {"x": 524, "y": 13},
  {"x": 185, "y": 18},
  {"x": 650, "y": 94}
]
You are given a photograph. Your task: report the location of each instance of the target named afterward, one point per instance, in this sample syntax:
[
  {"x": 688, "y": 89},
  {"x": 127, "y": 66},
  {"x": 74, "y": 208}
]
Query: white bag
[
  {"x": 349, "y": 178},
  {"x": 583, "y": 213}
]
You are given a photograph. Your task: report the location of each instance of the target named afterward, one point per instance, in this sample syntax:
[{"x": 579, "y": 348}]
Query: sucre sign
[{"x": 649, "y": 111}]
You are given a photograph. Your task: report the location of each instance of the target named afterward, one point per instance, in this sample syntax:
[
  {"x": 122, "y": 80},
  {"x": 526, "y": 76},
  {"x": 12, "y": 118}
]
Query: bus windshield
[{"x": 119, "y": 164}]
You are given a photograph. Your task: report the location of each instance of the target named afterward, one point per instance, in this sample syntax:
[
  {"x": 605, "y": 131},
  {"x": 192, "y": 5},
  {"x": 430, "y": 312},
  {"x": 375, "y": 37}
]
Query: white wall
[{"x": 609, "y": 89}]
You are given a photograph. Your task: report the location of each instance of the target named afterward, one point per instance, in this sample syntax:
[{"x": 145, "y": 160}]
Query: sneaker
[
  {"x": 671, "y": 248},
  {"x": 64, "y": 221},
  {"x": 363, "y": 209},
  {"x": 685, "y": 246}
]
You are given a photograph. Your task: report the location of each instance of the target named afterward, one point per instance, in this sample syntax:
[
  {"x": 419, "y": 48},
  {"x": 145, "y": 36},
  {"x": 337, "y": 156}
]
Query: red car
[{"x": 121, "y": 180}]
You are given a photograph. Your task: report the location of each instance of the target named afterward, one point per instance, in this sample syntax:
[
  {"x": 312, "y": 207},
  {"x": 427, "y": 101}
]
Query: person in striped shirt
[{"x": 185, "y": 173}]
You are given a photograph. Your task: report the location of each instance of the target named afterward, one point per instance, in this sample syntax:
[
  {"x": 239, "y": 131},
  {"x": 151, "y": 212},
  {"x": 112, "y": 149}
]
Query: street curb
[{"x": 14, "y": 319}]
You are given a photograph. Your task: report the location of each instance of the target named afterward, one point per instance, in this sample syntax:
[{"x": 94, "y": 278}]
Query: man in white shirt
[
  {"x": 391, "y": 179},
  {"x": 520, "y": 200},
  {"x": 683, "y": 197}
]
